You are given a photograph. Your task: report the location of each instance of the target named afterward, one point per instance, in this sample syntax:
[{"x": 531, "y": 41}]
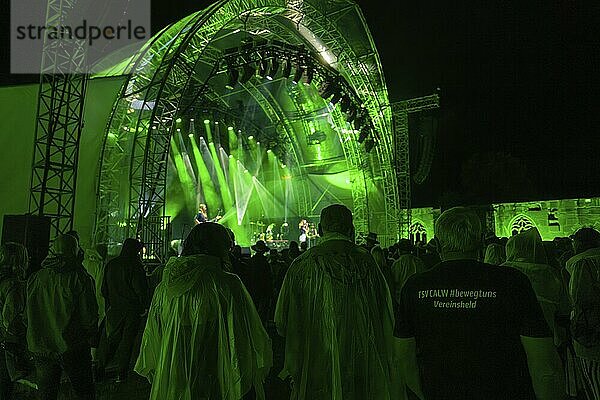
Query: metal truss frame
[
  {"x": 165, "y": 76},
  {"x": 362, "y": 68},
  {"x": 400, "y": 111},
  {"x": 59, "y": 124}
]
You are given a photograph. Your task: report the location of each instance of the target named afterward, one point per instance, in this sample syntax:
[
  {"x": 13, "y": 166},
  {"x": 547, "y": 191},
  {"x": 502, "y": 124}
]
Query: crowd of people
[{"x": 463, "y": 316}]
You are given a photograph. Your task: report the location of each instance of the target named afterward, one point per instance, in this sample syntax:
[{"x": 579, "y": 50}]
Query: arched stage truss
[{"x": 184, "y": 68}]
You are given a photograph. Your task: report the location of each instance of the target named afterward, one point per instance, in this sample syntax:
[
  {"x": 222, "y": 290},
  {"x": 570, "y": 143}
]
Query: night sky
[{"x": 518, "y": 82}]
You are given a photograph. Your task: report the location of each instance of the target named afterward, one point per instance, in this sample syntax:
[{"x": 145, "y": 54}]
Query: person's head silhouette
[
  {"x": 336, "y": 218},
  {"x": 459, "y": 233},
  {"x": 208, "y": 238}
]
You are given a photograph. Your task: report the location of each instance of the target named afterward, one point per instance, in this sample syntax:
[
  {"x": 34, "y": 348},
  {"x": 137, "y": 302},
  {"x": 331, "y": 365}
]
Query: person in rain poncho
[
  {"x": 402, "y": 269},
  {"x": 335, "y": 313},
  {"x": 62, "y": 320},
  {"x": 495, "y": 254},
  {"x": 13, "y": 266},
  {"x": 526, "y": 253},
  {"x": 584, "y": 289},
  {"x": 203, "y": 339},
  {"x": 125, "y": 291}
]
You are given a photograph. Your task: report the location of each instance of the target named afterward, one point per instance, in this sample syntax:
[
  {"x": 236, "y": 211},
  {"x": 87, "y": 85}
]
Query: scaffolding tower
[
  {"x": 400, "y": 113},
  {"x": 58, "y": 125}
]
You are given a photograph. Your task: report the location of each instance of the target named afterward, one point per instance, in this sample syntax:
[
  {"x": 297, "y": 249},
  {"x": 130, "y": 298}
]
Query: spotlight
[
  {"x": 352, "y": 113},
  {"x": 250, "y": 137},
  {"x": 361, "y": 118},
  {"x": 206, "y": 122},
  {"x": 233, "y": 76},
  {"x": 249, "y": 72},
  {"x": 310, "y": 74},
  {"x": 191, "y": 135},
  {"x": 369, "y": 144},
  {"x": 364, "y": 133},
  {"x": 345, "y": 104},
  {"x": 178, "y": 120},
  {"x": 327, "y": 90},
  {"x": 298, "y": 75},
  {"x": 337, "y": 96},
  {"x": 263, "y": 68},
  {"x": 230, "y": 128},
  {"x": 274, "y": 69},
  {"x": 287, "y": 69}
]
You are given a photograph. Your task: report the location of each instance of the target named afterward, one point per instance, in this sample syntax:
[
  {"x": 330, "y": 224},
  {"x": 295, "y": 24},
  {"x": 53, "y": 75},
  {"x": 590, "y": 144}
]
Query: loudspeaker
[{"x": 31, "y": 231}]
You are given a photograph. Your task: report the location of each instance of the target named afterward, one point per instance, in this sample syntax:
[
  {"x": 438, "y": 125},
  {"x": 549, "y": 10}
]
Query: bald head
[{"x": 337, "y": 218}]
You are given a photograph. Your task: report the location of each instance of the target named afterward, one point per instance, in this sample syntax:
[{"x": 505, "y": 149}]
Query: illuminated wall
[{"x": 553, "y": 218}]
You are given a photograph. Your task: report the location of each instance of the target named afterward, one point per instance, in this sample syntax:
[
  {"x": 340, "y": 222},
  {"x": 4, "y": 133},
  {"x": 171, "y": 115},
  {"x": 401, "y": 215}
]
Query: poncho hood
[
  {"x": 203, "y": 337},
  {"x": 526, "y": 247},
  {"x": 182, "y": 273}
]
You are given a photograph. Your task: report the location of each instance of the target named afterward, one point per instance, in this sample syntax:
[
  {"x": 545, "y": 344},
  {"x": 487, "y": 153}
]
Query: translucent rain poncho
[
  {"x": 495, "y": 254},
  {"x": 203, "y": 339},
  {"x": 335, "y": 313},
  {"x": 526, "y": 253},
  {"x": 402, "y": 269}
]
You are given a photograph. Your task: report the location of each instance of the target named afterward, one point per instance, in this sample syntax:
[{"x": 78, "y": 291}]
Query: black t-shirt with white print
[{"x": 467, "y": 318}]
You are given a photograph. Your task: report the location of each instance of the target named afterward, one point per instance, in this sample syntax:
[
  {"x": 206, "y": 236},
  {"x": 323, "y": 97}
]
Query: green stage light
[
  {"x": 191, "y": 135},
  {"x": 298, "y": 75},
  {"x": 230, "y": 128},
  {"x": 250, "y": 137},
  {"x": 178, "y": 120},
  {"x": 206, "y": 121},
  {"x": 273, "y": 70},
  {"x": 191, "y": 119},
  {"x": 269, "y": 151}
]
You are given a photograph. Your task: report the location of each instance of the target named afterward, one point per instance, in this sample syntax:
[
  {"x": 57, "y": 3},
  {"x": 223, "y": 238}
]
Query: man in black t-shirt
[{"x": 468, "y": 330}]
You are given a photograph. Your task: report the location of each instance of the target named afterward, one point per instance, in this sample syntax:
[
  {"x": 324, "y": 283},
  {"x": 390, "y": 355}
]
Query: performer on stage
[
  {"x": 303, "y": 226},
  {"x": 284, "y": 231},
  {"x": 269, "y": 232},
  {"x": 202, "y": 215}
]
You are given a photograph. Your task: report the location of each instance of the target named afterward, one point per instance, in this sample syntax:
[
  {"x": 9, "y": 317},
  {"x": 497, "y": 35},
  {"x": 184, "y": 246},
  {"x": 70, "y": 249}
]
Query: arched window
[
  {"x": 521, "y": 223},
  {"x": 418, "y": 233}
]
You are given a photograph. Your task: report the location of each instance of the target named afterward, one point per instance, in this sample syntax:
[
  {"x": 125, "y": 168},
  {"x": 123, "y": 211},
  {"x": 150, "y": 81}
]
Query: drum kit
[{"x": 258, "y": 231}]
